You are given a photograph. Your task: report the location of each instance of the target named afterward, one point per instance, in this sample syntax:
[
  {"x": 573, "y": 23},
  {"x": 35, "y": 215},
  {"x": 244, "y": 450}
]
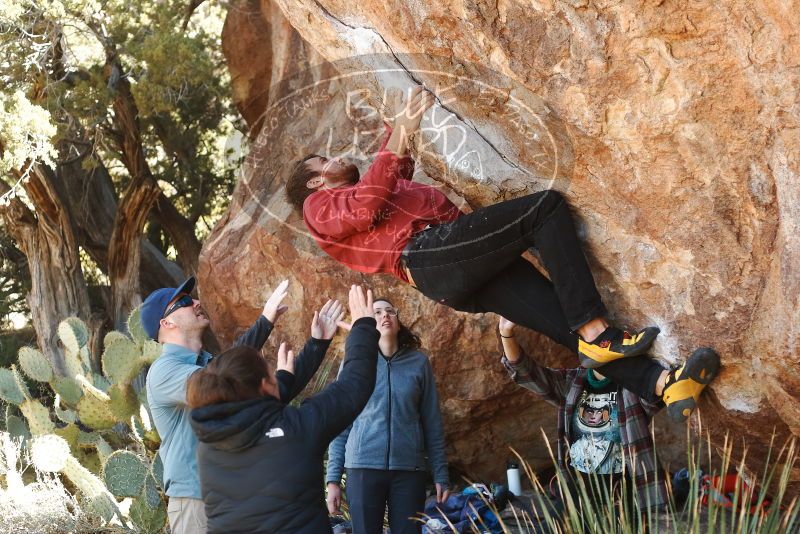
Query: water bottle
[{"x": 512, "y": 474}]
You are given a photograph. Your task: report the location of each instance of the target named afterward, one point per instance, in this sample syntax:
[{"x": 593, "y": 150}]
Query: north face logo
[{"x": 274, "y": 433}]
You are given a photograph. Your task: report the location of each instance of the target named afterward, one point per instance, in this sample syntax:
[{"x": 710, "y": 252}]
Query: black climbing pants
[
  {"x": 370, "y": 491},
  {"x": 474, "y": 264}
]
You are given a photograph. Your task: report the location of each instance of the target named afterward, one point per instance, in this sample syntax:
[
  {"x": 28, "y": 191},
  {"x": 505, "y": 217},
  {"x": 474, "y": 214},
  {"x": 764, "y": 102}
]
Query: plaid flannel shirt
[{"x": 563, "y": 388}]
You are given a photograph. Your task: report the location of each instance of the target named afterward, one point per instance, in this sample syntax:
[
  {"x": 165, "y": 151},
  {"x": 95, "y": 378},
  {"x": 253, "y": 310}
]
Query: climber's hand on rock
[
  {"x": 407, "y": 122},
  {"x": 418, "y": 101}
]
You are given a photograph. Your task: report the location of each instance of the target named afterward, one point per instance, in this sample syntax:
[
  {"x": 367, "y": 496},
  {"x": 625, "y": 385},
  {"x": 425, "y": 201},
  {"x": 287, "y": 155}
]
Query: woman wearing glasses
[{"x": 387, "y": 448}]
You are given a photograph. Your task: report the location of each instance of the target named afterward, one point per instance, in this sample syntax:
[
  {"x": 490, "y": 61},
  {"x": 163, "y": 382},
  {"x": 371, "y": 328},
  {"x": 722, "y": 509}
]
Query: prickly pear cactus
[
  {"x": 51, "y": 453},
  {"x": 98, "y": 431}
]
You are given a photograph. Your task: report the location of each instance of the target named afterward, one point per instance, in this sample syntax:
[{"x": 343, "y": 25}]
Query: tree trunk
[
  {"x": 58, "y": 289},
  {"x": 124, "y": 255},
  {"x": 91, "y": 195},
  {"x": 181, "y": 232}
]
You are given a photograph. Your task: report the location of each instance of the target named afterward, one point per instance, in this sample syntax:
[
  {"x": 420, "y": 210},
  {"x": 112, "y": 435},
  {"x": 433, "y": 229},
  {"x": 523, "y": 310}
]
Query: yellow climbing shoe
[
  {"x": 614, "y": 344},
  {"x": 685, "y": 383}
]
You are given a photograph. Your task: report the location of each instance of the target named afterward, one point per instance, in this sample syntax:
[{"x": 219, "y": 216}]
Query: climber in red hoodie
[{"x": 384, "y": 222}]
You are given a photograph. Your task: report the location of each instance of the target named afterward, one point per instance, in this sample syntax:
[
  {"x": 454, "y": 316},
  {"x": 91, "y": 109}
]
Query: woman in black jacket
[{"x": 260, "y": 461}]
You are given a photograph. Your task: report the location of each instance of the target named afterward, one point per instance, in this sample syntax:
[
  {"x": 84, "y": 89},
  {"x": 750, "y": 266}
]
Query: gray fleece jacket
[{"x": 399, "y": 427}]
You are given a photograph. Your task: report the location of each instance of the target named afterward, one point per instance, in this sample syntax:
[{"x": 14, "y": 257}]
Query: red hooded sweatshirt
[{"x": 366, "y": 226}]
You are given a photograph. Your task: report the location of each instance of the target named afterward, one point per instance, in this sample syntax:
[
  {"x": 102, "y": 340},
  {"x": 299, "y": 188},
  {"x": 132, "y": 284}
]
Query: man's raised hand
[
  {"x": 273, "y": 308},
  {"x": 327, "y": 319}
]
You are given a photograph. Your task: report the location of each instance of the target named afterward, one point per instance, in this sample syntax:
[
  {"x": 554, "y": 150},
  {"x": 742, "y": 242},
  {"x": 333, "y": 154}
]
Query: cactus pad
[
  {"x": 66, "y": 416},
  {"x": 74, "y": 364},
  {"x": 16, "y": 426},
  {"x": 151, "y": 350},
  {"x": 86, "y": 358},
  {"x": 137, "y": 429},
  {"x": 95, "y": 413},
  {"x": 120, "y": 361},
  {"x": 50, "y": 453},
  {"x": 71, "y": 433},
  {"x": 94, "y": 447},
  {"x": 124, "y": 403},
  {"x": 151, "y": 495},
  {"x": 103, "y": 505},
  {"x": 101, "y": 382},
  {"x": 135, "y": 326},
  {"x": 90, "y": 390},
  {"x": 113, "y": 336},
  {"x": 158, "y": 470},
  {"x": 124, "y": 474},
  {"x": 35, "y": 365},
  {"x": 73, "y": 334},
  {"x": 38, "y": 417},
  {"x": 68, "y": 389},
  {"x": 12, "y": 390},
  {"x": 147, "y": 519}
]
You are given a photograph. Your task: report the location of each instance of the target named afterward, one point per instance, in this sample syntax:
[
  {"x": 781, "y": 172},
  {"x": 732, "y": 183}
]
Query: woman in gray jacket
[{"x": 399, "y": 433}]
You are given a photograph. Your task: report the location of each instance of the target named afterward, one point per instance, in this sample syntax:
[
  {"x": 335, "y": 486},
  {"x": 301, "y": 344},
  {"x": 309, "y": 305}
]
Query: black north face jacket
[{"x": 261, "y": 462}]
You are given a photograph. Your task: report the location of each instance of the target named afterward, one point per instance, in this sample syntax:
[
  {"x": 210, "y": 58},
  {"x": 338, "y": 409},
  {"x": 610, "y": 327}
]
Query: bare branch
[{"x": 190, "y": 9}]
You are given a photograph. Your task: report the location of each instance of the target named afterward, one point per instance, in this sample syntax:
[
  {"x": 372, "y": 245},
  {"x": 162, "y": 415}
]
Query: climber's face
[
  {"x": 331, "y": 172},
  {"x": 183, "y": 316}
]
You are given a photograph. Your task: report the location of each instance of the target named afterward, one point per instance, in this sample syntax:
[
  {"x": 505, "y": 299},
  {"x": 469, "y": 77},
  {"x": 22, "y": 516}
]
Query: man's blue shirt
[{"x": 166, "y": 396}]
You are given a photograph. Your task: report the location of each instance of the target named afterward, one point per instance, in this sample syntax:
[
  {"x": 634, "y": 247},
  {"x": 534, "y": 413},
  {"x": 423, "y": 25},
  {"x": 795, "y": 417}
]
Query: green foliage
[
  {"x": 64, "y": 64},
  {"x": 121, "y": 444},
  {"x": 589, "y": 509},
  {"x": 14, "y": 285}
]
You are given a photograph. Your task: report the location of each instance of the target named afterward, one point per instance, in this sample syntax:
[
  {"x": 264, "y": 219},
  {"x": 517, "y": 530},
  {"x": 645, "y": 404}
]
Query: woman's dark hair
[
  {"x": 296, "y": 190},
  {"x": 406, "y": 339},
  {"x": 235, "y": 375}
]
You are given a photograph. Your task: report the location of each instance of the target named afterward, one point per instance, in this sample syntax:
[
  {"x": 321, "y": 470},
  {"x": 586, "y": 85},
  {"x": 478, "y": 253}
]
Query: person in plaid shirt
[{"x": 601, "y": 426}]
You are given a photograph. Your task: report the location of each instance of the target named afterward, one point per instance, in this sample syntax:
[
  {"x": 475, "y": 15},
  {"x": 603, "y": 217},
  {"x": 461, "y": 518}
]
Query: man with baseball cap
[{"x": 176, "y": 320}]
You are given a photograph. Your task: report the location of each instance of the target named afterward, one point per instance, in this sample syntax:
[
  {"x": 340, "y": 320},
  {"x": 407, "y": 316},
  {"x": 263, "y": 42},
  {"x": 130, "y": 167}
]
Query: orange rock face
[{"x": 673, "y": 128}]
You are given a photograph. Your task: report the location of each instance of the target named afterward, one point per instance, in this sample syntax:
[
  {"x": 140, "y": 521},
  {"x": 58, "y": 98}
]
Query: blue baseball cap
[{"x": 156, "y": 303}]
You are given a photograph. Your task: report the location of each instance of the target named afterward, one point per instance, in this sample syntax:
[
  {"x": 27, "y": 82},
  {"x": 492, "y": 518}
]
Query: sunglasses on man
[{"x": 183, "y": 302}]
